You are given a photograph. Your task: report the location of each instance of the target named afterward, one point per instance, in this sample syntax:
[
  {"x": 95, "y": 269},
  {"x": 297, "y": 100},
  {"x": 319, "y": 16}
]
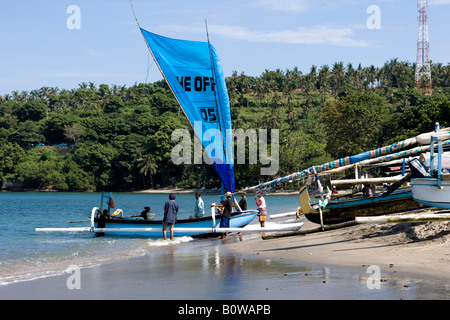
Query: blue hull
[{"x": 239, "y": 220}]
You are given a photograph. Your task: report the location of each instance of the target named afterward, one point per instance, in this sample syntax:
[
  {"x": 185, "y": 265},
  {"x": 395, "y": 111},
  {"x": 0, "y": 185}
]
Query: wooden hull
[
  {"x": 338, "y": 211},
  {"x": 238, "y": 220}
]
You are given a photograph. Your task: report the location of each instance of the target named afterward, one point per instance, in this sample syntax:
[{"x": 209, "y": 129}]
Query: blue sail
[{"x": 194, "y": 73}]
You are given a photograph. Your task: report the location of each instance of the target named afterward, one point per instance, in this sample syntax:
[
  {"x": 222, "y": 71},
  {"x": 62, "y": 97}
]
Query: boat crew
[
  {"x": 199, "y": 208},
  {"x": 227, "y": 206},
  {"x": 243, "y": 201},
  {"x": 170, "y": 215},
  {"x": 262, "y": 208},
  {"x": 146, "y": 214}
]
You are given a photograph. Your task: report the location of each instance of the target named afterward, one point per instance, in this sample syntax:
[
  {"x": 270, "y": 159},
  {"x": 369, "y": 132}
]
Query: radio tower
[{"x": 423, "y": 65}]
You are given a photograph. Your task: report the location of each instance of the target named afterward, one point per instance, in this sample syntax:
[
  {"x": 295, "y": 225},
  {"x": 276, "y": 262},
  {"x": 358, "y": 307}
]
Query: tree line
[{"x": 119, "y": 138}]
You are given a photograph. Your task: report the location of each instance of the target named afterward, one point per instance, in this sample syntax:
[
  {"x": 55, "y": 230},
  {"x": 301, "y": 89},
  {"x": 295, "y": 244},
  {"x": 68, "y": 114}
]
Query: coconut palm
[{"x": 147, "y": 166}]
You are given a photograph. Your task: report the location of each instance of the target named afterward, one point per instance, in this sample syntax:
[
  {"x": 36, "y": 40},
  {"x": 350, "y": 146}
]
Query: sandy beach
[{"x": 408, "y": 248}]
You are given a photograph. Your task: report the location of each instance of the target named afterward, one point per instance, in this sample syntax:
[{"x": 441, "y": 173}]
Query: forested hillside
[{"x": 109, "y": 137}]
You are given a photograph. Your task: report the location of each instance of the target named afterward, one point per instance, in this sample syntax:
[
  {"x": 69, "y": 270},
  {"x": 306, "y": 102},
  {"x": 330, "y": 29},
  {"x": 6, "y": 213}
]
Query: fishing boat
[
  {"x": 194, "y": 74},
  {"x": 195, "y": 228},
  {"x": 333, "y": 211},
  {"x": 432, "y": 187},
  {"x": 343, "y": 210},
  {"x": 113, "y": 222}
]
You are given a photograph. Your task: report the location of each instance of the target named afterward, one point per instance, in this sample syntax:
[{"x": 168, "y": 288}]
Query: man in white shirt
[
  {"x": 199, "y": 209},
  {"x": 262, "y": 208}
]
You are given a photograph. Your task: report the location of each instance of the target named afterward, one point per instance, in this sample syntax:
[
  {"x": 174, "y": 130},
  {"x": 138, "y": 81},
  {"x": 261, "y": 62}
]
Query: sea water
[
  {"x": 188, "y": 268},
  {"x": 26, "y": 254}
]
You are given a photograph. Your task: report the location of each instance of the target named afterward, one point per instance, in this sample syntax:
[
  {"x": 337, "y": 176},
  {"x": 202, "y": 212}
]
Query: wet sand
[{"x": 408, "y": 248}]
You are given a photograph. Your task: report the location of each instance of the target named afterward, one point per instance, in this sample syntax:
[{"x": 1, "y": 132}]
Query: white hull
[{"x": 426, "y": 191}]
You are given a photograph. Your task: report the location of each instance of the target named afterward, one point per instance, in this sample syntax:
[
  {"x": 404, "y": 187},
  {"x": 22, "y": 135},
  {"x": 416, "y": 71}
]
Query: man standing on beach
[
  {"x": 170, "y": 215},
  {"x": 262, "y": 208},
  {"x": 227, "y": 206}
]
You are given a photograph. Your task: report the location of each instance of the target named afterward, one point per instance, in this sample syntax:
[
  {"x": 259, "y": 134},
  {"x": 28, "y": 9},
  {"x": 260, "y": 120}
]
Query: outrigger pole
[{"x": 291, "y": 227}]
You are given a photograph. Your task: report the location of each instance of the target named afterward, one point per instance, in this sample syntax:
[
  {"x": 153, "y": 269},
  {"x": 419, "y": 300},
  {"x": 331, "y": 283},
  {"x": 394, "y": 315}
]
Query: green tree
[
  {"x": 28, "y": 133},
  {"x": 354, "y": 123},
  {"x": 33, "y": 110},
  {"x": 10, "y": 156},
  {"x": 147, "y": 167}
]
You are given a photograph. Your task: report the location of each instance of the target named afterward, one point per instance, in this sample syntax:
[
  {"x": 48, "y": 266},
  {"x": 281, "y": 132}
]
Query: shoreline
[
  {"x": 151, "y": 191},
  {"x": 209, "y": 191},
  {"x": 409, "y": 248}
]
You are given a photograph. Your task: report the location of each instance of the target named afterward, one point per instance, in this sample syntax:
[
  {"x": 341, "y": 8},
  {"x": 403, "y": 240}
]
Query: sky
[{"x": 48, "y": 43}]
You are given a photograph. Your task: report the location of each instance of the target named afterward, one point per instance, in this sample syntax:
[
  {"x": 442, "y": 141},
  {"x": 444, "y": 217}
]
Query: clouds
[
  {"x": 314, "y": 35},
  {"x": 320, "y": 34},
  {"x": 439, "y": 2},
  {"x": 302, "y": 6},
  {"x": 285, "y": 5}
]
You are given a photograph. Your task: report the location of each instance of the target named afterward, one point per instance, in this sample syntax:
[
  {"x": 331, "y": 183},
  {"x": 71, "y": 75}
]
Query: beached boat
[
  {"x": 194, "y": 74},
  {"x": 343, "y": 210},
  {"x": 329, "y": 211},
  {"x": 201, "y": 227},
  {"x": 432, "y": 187},
  {"x": 195, "y": 228}
]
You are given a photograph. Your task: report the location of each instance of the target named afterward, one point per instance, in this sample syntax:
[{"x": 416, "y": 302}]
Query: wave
[{"x": 35, "y": 266}]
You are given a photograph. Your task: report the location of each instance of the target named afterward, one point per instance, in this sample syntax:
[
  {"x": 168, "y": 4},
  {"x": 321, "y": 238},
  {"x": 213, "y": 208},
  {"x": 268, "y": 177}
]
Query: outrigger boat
[
  {"x": 112, "y": 224},
  {"x": 328, "y": 211},
  {"x": 432, "y": 187},
  {"x": 343, "y": 210},
  {"x": 194, "y": 74}
]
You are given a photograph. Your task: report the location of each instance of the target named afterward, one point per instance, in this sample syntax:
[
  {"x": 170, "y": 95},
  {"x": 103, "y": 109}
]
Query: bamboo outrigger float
[{"x": 196, "y": 228}]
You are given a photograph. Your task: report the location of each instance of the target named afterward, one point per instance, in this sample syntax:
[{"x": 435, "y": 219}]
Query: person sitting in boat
[
  {"x": 369, "y": 190},
  {"x": 334, "y": 190},
  {"x": 227, "y": 206},
  {"x": 146, "y": 214},
  {"x": 170, "y": 215},
  {"x": 199, "y": 208}
]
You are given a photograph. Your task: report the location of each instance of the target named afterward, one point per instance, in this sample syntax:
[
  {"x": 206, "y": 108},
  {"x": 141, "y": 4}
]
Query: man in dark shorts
[
  {"x": 227, "y": 206},
  {"x": 170, "y": 215}
]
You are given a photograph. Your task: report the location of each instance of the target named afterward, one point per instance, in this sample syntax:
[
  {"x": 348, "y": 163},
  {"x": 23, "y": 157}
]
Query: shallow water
[
  {"x": 211, "y": 270},
  {"x": 26, "y": 254},
  {"x": 141, "y": 268}
]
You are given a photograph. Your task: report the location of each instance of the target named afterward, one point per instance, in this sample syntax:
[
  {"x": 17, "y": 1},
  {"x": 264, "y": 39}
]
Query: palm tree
[
  {"x": 337, "y": 75},
  {"x": 312, "y": 77},
  {"x": 323, "y": 79},
  {"x": 147, "y": 166}
]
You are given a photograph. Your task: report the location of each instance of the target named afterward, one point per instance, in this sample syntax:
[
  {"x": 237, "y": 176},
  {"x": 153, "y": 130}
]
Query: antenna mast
[{"x": 423, "y": 64}]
